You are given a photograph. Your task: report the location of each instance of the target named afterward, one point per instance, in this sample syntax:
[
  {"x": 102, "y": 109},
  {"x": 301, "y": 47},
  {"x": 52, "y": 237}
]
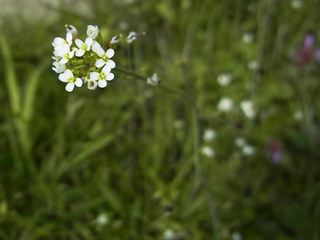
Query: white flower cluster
[
  {"x": 208, "y": 136},
  {"x": 79, "y": 62},
  {"x": 246, "y": 149}
]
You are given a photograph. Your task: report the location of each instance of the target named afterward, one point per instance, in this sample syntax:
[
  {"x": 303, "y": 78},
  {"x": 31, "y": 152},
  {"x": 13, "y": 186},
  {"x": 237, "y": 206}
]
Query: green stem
[{"x": 144, "y": 78}]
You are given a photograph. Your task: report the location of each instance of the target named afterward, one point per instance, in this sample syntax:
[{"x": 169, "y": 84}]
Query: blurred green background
[{"x": 135, "y": 161}]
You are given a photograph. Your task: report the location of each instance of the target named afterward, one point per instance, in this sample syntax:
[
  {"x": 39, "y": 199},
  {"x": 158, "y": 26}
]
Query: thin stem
[{"x": 144, "y": 78}]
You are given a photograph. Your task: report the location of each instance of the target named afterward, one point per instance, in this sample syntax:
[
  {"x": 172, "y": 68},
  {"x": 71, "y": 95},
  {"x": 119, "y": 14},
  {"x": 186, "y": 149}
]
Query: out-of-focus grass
[{"x": 131, "y": 151}]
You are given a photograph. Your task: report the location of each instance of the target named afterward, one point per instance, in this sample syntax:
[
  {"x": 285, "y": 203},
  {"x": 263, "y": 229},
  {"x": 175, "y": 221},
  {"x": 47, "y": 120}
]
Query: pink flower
[
  {"x": 307, "y": 52},
  {"x": 275, "y": 151}
]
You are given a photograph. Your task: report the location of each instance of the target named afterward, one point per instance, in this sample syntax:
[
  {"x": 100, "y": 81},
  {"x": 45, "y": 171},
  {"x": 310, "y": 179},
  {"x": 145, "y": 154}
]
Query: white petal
[
  {"x": 71, "y": 54},
  {"x": 102, "y": 83},
  {"x": 106, "y": 69},
  {"x": 100, "y": 63},
  {"x": 78, "y": 82},
  {"x": 111, "y": 64},
  {"x": 68, "y": 74},
  {"x": 78, "y": 43},
  {"x": 97, "y": 48},
  {"x": 63, "y": 61},
  {"x": 69, "y": 87},
  {"x": 110, "y": 76},
  {"x": 57, "y": 41},
  {"x": 94, "y": 76},
  {"x": 80, "y": 52},
  {"x": 110, "y": 53},
  {"x": 69, "y": 38},
  {"x": 62, "y": 77},
  {"x": 88, "y": 42}
]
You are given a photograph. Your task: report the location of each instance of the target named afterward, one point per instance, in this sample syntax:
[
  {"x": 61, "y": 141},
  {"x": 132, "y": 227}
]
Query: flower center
[
  {"x": 105, "y": 58},
  {"x": 102, "y": 76},
  {"x": 66, "y": 56},
  {"x": 84, "y": 47},
  {"x": 72, "y": 80}
]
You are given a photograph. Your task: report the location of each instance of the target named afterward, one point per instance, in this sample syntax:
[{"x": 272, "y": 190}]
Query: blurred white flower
[
  {"x": 253, "y": 65},
  {"x": 240, "y": 142},
  {"x": 247, "y": 107},
  {"x": 247, "y": 38},
  {"x": 102, "y": 77},
  {"x": 248, "y": 150},
  {"x": 168, "y": 234},
  {"x": 225, "y": 104},
  {"x": 296, "y": 4},
  {"x": 92, "y": 31},
  {"x": 71, "y": 80},
  {"x": 224, "y": 79},
  {"x": 298, "y": 115},
  {"x": 178, "y": 124},
  {"x": 252, "y": 7},
  {"x": 209, "y": 135},
  {"x": 102, "y": 219},
  {"x": 208, "y": 151},
  {"x": 83, "y": 46},
  {"x": 236, "y": 236},
  {"x": 153, "y": 80},
  {"x": 104, "y": 56}
]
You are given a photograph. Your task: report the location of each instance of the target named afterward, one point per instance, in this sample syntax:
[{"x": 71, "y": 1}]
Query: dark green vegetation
[{"x": 133, "y": 151}]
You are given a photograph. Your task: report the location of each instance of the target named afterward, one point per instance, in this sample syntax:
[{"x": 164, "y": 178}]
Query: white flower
[
  {"x": 131, "y": 37},
  {"x": 208, "y": 151},
  {"x": 236, "y": 236},
  {"x": 115, "y": 40},
  {"x": 247, "y": 107},
  {"x": 248, "y": 150},
  {"x": 68, "y": 77},
  {"x": 83, "y": 46},
  {"x": 240, "y": 141},
  {"x": 102, "y": 219},
  {"x": 102, "y": 77},
  {"x": 104, "y": 56},
  {"x": 209, "y": 135},
  {"x": 179, "y": 124},
  {"x": 298, "y": 115},
  {"x": 58, "y": 41},
  {"x": 58, "y": 67},
  {"x": 247, "y": 38},
  {"x": 71, "y": 29},
  {"x": 64, "y": 53},
  {"x": 92, "y": 84},
  {"x": 224, "y": 79},
  {"x": 92, "y": 31},
  {"x": 153, "y": 80},
  {"x": 168, "y": 234},
  {"x": 296, "y": 4},
  {"x": 225, "y": 104},
  {"x": 253, "y": 65}
]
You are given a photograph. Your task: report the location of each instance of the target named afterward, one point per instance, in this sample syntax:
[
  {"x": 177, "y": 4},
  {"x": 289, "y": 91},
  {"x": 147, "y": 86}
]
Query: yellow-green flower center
[
  {"x": 105, "y": 58},
  {"x": 102, "y": 76},
  {"x": 66, "y": 56},
  {"x": 72, "y": 80},
  {"x": 84, "y": 47}
]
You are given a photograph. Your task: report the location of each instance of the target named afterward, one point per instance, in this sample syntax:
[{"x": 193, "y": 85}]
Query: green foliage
[{"x": 132, "y": 151}]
